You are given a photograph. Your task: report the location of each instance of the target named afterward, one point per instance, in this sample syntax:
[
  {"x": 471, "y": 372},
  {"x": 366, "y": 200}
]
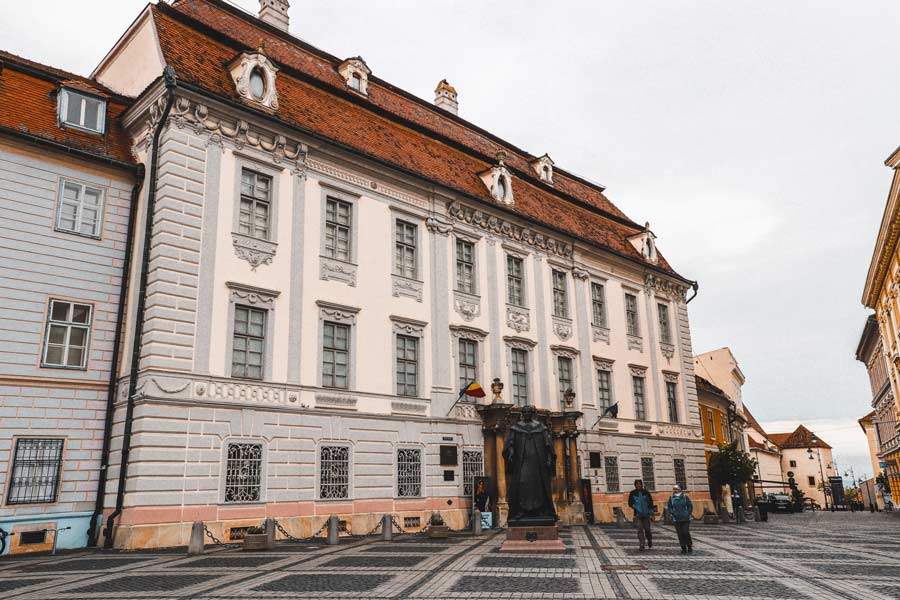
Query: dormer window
[
  {"x": 356, "y": 73},
  {"x": 500, "y": 192},
  {"x": 255, "y": 79},
  {"x": 645, "y": 243},
  {"x": 257, "y": 84},
  {"x": 356, "y": 82},
  {"x": 498, "y": 181},
  {"x": 82, "y": 111},
  {"x": 543, "y": 166}
]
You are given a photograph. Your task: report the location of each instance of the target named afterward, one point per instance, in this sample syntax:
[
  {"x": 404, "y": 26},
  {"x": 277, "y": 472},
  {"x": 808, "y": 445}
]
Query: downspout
[
  {"x": 171, "y": 83},
  {"x": 696, "y": 287},
  {"x": 114, "y": 363}
]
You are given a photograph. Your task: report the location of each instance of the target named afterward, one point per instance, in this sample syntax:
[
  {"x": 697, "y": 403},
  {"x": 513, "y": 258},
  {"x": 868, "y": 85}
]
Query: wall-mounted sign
[
  {"x": 449, "y": 475},
  {"x": 449, "y": 456}
]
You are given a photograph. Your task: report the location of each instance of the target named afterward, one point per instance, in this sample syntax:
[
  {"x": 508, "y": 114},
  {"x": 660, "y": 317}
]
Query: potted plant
[
  {"x": 255, "y": 538},
  {"x": 437, "y": 529}
]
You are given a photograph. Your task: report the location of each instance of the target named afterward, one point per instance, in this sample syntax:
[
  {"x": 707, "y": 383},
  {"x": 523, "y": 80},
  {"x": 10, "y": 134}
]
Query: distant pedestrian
[
  {"x": 681, "y": 511},
  {"x": 641, "y": 502}
]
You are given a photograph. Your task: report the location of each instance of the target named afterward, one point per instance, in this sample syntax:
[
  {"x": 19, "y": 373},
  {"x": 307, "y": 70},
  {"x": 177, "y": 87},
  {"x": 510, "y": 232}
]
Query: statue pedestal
[{"x": 536, "y": 539}]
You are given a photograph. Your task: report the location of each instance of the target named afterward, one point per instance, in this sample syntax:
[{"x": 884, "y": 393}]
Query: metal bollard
[
  {"x": 476, "y": 522},
  {"x": 387, "y": 528},
  {"x": 333, "y": 530},
  {"x": 269, "y": 528},
  {"x": 195, "y": 545}
]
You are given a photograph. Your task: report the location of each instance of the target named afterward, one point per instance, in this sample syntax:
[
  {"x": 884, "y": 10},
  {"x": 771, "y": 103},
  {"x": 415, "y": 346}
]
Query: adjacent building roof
[
  {"x": 867, "y": 340},
  {"x": 28, "y": 109},
  {"x": 198, "y": 38},
  {"x": 799, "y": 438}
]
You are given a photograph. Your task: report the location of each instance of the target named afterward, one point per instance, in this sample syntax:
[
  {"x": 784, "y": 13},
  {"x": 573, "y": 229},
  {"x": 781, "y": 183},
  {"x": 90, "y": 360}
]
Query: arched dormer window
[
  {"x": 543, "y": 166},
  {"x": 254, "y": 78},
  {"x": 356, "y": 73},
  {"x": 356, "y": 81},
  {"x": 257, "y": 84}
]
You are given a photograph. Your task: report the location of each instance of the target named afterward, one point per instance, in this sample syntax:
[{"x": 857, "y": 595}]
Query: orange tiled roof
[
  {"x": 28, "y": 106},
  {"x": 799, "y": 438},
  {"x": 200, "y": 37}
]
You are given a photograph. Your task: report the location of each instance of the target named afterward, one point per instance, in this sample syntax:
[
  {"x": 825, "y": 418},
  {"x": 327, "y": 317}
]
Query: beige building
[
  {"x": 721, "y": 369},
  {"x": 808, "y": 459},
  {"x": 770, "y": 476},
  {"x": 870, "y": 491}
]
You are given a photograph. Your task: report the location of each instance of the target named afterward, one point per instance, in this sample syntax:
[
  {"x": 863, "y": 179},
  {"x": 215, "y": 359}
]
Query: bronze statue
[{"x": 530, "y": 465}]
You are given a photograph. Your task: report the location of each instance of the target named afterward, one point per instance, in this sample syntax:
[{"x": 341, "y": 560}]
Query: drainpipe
[
  {"x": 696, "y": 287},
  {"x": 171, "y": 83},
  {"x": 114, "y": 364}
]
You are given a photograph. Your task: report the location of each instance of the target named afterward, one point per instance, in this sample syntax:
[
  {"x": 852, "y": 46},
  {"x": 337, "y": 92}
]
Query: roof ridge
[{"x": 56, "y": 74}]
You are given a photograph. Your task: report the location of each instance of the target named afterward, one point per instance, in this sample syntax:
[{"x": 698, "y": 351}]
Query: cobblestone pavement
[{"x": 820, "y": 556}]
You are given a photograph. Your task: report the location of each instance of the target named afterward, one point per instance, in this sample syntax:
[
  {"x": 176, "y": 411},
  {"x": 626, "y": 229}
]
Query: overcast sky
[{"x": 751, "y": 135}]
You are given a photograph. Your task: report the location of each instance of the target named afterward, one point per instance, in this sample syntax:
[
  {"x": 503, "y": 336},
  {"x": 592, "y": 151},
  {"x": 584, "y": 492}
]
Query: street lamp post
[{"x": 821, "y": 469}]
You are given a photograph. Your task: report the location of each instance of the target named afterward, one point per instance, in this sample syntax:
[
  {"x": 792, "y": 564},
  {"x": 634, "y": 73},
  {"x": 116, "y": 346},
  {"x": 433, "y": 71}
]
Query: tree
[{"x": 730, "y": 466}]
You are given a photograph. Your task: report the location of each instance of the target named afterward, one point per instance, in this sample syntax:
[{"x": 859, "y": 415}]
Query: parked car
[
  {"x": 810, "y": 504},
  {"x": 781, "y": 502}
]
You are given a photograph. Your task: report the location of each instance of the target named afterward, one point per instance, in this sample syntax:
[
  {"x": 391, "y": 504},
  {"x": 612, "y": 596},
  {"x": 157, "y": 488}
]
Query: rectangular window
[
  {"x": 335, "y": 355},
  {"x": 338, "y": 222},
  {"x": 793, "y": 464},
  {"x": 473, "y": 466},
  {"x": 254, "y": 219},
  {"x": 566, "y": 377},
  {"x": 249, "y": 342},
  {"x": 631, "y": 315},
  {"x": 647, "y": 474},
  {"x": 243, "y": 472},
  {"x": 515, "y": 280},
  {"x": 519, "y": 359},
  {"x": 468, "y": 362},
  {"x": 595, "y": 460},
  {"x": 465, "y": 266},
  {"x": 407, "y": 365},
  {"x": 604, "y": 389},
  {"x": 611, "y": 466},
  {"x": 640, "y": 407},
  {"x": 334, "y": 472},
  {"x": 80, "y": 209},
  {"x": 405, "y": 249},
  {"x": 560, "y": 295},
  {"x": 409, "y": 472},
  {"x": 680, "y": 473},
  {"x": 711, "y": 424},
  {"x": 672, "y": 399},
  {"x": 34, "y": 478},
  {"x": 67, "y": 333},
  {"x": 82, "y": 111},
  {"x": 811, "y": 480},
  {"x": 598, "y": 304},
  {"x": 665, "y": 329}
]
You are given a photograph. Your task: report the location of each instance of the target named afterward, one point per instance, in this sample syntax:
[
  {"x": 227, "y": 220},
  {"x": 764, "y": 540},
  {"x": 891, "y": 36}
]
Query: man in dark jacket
[{"x": 641, "y": 502}]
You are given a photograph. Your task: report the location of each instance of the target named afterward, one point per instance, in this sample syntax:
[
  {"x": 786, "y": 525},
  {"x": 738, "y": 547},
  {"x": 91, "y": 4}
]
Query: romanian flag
[{"x": 474, "y": 390}]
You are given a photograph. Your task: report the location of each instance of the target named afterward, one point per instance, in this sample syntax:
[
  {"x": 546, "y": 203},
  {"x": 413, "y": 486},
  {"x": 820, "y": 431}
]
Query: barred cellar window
[
  {"x": 647, "y": 474},
  {"x": 409, "y": 472},
  {"x": 640, "y": 406},
  {"x": 680, "y": 473},
  {"x": 335, "y": 355},
  {"x": 334, "y": 472},
  {"x": 465, "y": 266},
  {"x": 515, "y": 280},
  {"x": 248, "y": 343},
  {"x": 598, "y": 304},
  {"x": 519, "y": 360},
  {"x": 338, "y": 224},
  {"x": 405, "y": 249},
  {"x": 407, "y": 365},
  {"x": 665, "y": 328},
  {"x": 34, "y": 477},
  {"x": 672, "y": 399},
  {"x": 67, "y": 333},
  {"x": 632, "y": 326},
  {"x": 80, "y": 209},
  {"x": 611, "y": 466},
  {"x": 254, "y": 216},
  {"x": 243, "y": 472},
  {"x": 468, "y": 362},
  {"x": 560, "y": 294},
  {"x": 473, "y": 466},
  {"x": 604, "y": 389}
]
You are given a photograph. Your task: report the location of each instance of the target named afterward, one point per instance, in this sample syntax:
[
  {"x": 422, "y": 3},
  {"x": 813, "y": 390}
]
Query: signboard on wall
[{"x": 449, "y": 456}]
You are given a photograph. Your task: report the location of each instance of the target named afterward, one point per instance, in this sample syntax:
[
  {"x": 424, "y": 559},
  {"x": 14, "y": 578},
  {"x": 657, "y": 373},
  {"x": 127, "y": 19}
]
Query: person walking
[
  {"x": 641, "y": 502},
  {"x": 681, "y": 509}
]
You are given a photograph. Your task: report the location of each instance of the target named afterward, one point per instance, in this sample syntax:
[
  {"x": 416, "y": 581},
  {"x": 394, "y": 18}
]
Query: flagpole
[{"x": 455, "y": 402}]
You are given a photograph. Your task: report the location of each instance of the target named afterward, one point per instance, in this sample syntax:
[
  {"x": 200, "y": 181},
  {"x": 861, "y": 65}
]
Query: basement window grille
[
  {"x": 35, "y": 471},
  {"x": 680, "y": 474},
  {"x": 243, "y": 473},
  {"x": 334, "y": 472},
  {"x": 647, "y": 474},
  {"x": 409, "y": 472},
  {"x": 611, "y": 466},
  {"x": 412, "y": 522},
  {"x": 29, "y": 538},
  {"x": 473, "y": 466}
]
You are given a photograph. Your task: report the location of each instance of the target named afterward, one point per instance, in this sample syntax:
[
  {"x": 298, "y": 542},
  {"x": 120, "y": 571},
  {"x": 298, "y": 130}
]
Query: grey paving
[
  {"x": 521, "y": 585},
  {"x": 331, "y": 582}
]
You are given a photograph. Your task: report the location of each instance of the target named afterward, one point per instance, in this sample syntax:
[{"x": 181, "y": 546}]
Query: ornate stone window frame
[
  {"x": 351, "y": 464},
  {"x": 358, "y": 67},
  {"x": 404, "y": 286},
  {"x": 411, "y": 328},
  {"x": 639, "y": 371},
  {"x": 635, "y": 341},
  {"x": 604, "y": 364},
  {"x": 498, "y": 180},
  {"x": 473, "y": 334},
  {"x": 518, "y": 318},
  {"x": 423, "y": 464},
  {"x": 335, "y": 269},
  {"x": 263, "y": 468},
  {"x": 461, "y": 234},
  {"x": 241, "y": 69},
  {"x": 254, "y": 297},
  {"x": 599, "y": 331},
  {"x": 256, "y": 251},
  {"x": 520, "y": 343},
  {"x": 543, "y": 166},
  {"x": 345, "y": 315},
  {"x": 666, "y": 348},
  {"x": 561, "y": 351}
]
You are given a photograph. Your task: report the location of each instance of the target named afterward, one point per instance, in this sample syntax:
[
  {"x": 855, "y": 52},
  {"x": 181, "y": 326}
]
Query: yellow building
[{"x": 721, "y": 422}]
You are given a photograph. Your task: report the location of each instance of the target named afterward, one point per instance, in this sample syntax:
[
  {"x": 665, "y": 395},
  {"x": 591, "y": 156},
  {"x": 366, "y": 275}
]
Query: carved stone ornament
[
  {"x": 409, "y": 327},
  {"x": 637, "y": 370},
  {"x": 331, "y": 269},
  {"x": 254, "y": 250},
  {"x": 579, "y": 273},
  {"x": 466, "y": 411},
  {"x": 566, "y": 351},
  {"x": 603, "y": 364},
  {"x": 409, "y": 288},
  {"x": 336, "y": 401},
  {"x": 245, "y": 393},
  {"x": 518, "y": 319},
  {"x": 635, "y": 342},
  {"x": 438, "y": 226},
  {"x": 337, "y": 313},
  {"x": 670, "y": 376},
  {"x": 600, "y": 334},
  {"x": 409, "y": 407},
  {"x": 467, "y": 305},
  {"x": 562, "y": 328},
  {"x": 254, "y": 296},
  {"x": 261, "y": 91},
  {"x": 665, "y": 287},
  {"x": 459, "y": 332},
  {"x": 508, "y": 230},
  {"x": 668, "y": 350},
  {"x": 498, "y": 181},
  {"x": 519, "y": 343}
]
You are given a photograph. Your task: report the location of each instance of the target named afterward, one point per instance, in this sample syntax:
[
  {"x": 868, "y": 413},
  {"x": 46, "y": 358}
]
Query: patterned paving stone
[
  {"x": 758, "y": 588},
  {"x": 513, "y": 585},
  {"x": 143, "y": 583},
  {"x": 526, "y": 562},
  {"x": 403, "y": 560},
  {"x": 405, "y": 548},
  {"x": 891, "y": 591},
  {"x": 856, "y": 569},
  {"x": 84, "y": 564},
  {"x": 226, "y": 562},
  {"x": 705, "y": 566},
  {"x": 7, "y": 585},
  {"x": 324, "y": 583}
]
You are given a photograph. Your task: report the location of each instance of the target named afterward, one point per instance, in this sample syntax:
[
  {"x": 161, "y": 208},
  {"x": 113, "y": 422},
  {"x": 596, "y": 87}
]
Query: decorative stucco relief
[
  {"x": 668, "y": 350},
  {"x": 409, "y": 288},
  {"x": 467, "y": 305},
  {"x": 409, "y": 407},
  {"x": 336, "y": 401},
  {"x": 518, "y": 319},
  {"x": 635, "y": 343},
  {"x": 562, "y": 328},
  {"x": 336, "y": 270},
  {"x": 254, "y": 250},
  {"x": 508, "y": 230},
  {"x": 665, "y": 287},
  {"x": 248, "y": 294},
  {"x": 600, "y": 334}
]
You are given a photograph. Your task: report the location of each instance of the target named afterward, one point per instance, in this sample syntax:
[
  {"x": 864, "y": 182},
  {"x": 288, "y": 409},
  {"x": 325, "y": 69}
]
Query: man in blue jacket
[
  {"x": 641, "y": 502},
  {"x": 681, "y": 509}
]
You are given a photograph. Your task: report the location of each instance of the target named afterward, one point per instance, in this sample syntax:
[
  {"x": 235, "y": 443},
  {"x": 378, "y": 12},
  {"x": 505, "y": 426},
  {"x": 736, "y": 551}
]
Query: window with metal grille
[
  {"x": 611, "y": 466},
  {"x": 631, "y": 315},
  {"x": 338, "y": 224},
  {"x": 35, "y": 471},
  {"x": 80, "y": 209},
  {"x": 473, "y": 466},
  {"x": 680, "y": 473},
  {"x": 407, "y": 365},
  {"x": 405, "y": 249},
  {"x": 560, "y": 294},
  {"x": 67, "y": 333},
  {"x": 249, "y": 342},
  {"x": 335, "y": 355},
  {"x": 598, "y": 304},
  {"x": 465, "y": 266},
  {"x": 409, "y": 472},
  {"x": 253, "y": 219},
  {"x": 647, "y": 474},
  {"x": 334, "y": 472},
  {"x": 672, "y": 399},
  {"x": 566, "y": 377},
  {"x": 519, "y": 359},
  {"x": 640, "y": 407},
  {"x": 243, "y": 472},
  {"x": 604, "y": 389},
  {"x": 665, "y": 328},
  {"x": 515, "y": 280},
  {"x": 468, "y": 362}
]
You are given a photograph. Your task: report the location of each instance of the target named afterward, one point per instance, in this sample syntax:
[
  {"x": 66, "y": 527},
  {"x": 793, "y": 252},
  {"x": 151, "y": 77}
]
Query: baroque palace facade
[{"x": 327, "y": 262}]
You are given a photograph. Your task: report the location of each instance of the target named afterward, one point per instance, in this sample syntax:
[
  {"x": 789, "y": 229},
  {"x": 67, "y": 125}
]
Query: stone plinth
[{"x": 539, "y": 539}]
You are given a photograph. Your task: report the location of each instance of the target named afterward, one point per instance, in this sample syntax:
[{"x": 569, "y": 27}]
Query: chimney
[
  {"x": 445, "y": 97},
  {"x": 275, "y": 12}
]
